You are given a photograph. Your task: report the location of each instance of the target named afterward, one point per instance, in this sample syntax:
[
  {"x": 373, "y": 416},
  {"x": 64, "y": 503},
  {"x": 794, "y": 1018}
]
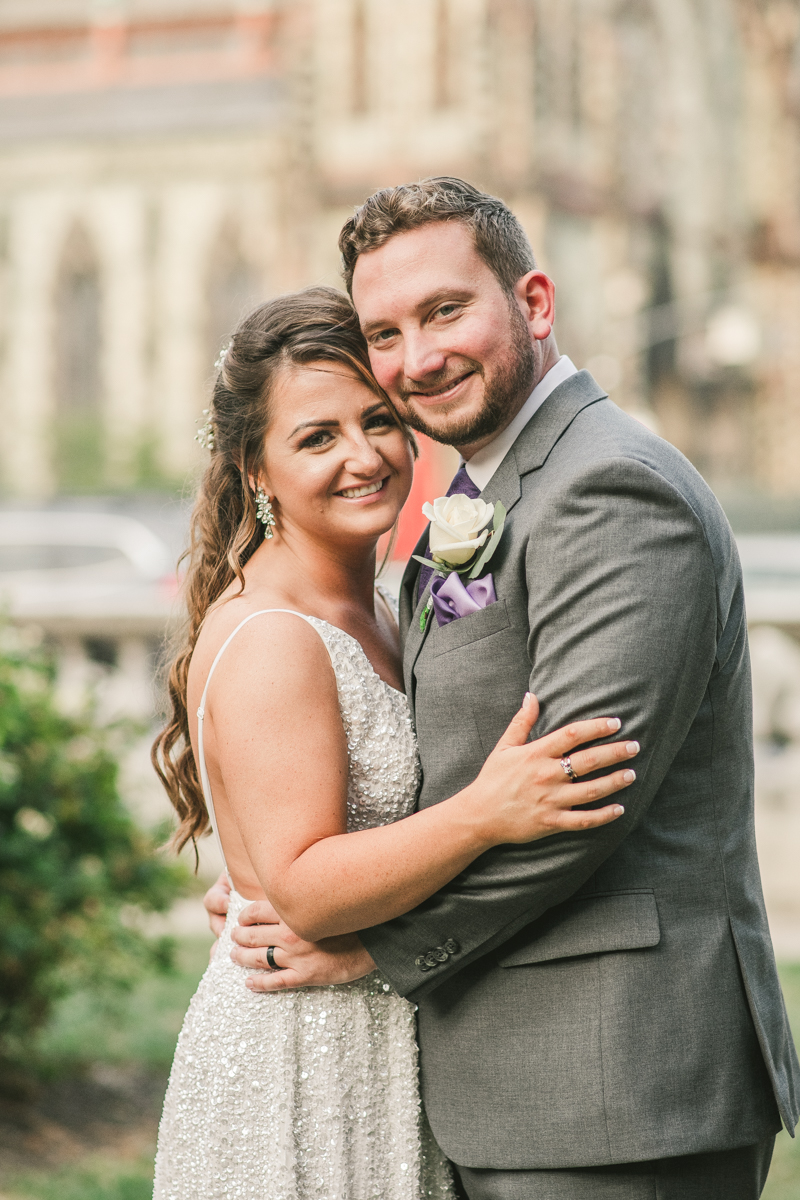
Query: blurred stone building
[{"x": 165, "y": 162}]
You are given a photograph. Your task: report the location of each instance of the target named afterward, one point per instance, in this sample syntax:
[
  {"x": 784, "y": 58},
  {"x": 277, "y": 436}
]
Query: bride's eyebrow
[
  {"x": 314, "y": 425},
  {"x": 333, "y": 424}
]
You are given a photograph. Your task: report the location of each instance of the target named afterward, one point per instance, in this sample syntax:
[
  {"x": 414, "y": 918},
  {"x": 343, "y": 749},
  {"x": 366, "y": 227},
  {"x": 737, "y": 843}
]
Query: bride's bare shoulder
[{"x": 271, "y": 647}]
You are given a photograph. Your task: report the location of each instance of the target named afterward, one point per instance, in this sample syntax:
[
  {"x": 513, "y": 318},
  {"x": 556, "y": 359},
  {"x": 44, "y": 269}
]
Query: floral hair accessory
[
  {"x": 220, "y": 361},
  {"x": 205, "y": 434}
]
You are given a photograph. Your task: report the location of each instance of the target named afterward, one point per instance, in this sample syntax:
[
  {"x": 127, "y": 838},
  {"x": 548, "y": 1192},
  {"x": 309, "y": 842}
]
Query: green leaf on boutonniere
[
  {"x": 428, "y": 562},
  {"x": 492, "y": 541},
  {"x": 425, "y": 614}
]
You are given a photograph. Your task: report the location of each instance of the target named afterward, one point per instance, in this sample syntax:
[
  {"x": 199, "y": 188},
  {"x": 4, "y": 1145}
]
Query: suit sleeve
[{"x": 622, "y": 611}]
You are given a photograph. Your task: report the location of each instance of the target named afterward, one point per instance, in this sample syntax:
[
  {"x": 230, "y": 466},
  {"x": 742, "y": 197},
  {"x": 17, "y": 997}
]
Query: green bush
[
  {"x": 75, "y": 869},
  {"x": 105, "y": 1182}
]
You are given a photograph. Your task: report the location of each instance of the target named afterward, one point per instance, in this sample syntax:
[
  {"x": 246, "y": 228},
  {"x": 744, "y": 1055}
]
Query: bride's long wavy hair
[{"x": 318, "y": 324}]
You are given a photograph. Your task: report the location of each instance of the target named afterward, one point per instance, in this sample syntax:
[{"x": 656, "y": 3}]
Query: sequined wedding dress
[{"x": 310, "y": 1094}]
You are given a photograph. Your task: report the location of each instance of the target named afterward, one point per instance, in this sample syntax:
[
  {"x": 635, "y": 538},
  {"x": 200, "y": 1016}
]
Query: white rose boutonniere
[
  {"x": 463, "y": 535},
  {"x": 458, "y": 528}
]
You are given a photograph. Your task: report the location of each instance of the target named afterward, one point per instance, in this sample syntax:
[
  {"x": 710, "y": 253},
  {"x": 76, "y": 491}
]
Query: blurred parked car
[
  {"x": 99, "y": 586},
  {"x": 771, "y": 567}
]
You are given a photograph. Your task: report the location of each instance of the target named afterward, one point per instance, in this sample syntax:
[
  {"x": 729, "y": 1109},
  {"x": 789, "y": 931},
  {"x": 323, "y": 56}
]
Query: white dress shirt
[{"x": 483, "y": 464}]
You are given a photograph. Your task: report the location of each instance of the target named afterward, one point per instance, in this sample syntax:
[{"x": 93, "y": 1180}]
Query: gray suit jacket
[{"x": 605, "y": 996}]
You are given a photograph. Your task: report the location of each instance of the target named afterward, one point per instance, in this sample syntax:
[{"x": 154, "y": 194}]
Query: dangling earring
[{"x": 264, "y": 512}]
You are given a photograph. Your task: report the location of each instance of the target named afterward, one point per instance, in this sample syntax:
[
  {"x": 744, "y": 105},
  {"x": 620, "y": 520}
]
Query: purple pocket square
[{"x": 451, "y": 599}]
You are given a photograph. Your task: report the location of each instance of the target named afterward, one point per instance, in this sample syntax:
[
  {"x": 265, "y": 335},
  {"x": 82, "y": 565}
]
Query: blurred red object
[{"x": 433, "y": 471}]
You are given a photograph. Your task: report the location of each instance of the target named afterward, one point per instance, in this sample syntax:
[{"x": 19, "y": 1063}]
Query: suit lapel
[
  {"x": 529, "y": 451},
  {"x": 537, "y": 439},
  {"x": 411, "y": 635},
  {"x": 408, "y": 585},
  {"x": 504, "y": 484}
]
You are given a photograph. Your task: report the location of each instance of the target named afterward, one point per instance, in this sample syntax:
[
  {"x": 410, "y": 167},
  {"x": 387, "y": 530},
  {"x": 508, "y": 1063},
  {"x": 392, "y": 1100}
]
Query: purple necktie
[{"x": 461, "y": 485}]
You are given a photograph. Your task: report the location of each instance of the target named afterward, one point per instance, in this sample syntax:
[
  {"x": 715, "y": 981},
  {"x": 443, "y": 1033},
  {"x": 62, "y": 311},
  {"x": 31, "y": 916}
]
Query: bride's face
[{"x": 336, "y": 462}]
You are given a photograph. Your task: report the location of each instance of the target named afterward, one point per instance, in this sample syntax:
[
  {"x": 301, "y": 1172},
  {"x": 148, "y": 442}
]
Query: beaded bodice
[{"x": 381, "y": 747}]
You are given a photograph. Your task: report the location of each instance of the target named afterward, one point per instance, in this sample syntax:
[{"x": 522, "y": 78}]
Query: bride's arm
[{"x": 282, "y": 754}]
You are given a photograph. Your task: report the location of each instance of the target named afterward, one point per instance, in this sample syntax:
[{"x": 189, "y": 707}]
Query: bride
[{"x": 290, "y": 734}]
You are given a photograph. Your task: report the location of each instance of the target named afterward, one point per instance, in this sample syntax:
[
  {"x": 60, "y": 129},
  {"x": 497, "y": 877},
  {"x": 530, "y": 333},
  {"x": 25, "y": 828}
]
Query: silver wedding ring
[
  {"x": 273, "y": 966},
  {"x": 566, "y": 766}
]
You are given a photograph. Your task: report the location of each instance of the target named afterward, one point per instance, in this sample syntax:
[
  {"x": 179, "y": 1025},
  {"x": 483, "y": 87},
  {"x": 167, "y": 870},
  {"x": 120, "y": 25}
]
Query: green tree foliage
[{"x": 75, "y": 869}]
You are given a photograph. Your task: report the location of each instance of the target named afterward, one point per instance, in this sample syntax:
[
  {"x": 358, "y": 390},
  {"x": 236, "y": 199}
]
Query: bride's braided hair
[{"x": 315, "y": 325}]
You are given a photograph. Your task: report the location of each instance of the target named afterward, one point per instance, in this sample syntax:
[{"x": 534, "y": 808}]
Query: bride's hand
[{"x": 524, "y": 793}]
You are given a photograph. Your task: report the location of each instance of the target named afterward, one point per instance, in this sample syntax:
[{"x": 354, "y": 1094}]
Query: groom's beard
[{"x": 503, "y": 393}]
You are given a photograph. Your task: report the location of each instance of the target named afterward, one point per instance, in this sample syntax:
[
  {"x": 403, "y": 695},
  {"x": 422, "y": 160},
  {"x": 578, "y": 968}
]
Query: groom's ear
[{"x": 535, "y": 293}]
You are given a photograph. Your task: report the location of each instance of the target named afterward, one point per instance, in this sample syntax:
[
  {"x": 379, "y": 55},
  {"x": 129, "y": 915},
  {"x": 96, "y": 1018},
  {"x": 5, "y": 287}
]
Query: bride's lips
[
  {"x": 364, "y": 493},
  {"x": 442, "y": 395}
]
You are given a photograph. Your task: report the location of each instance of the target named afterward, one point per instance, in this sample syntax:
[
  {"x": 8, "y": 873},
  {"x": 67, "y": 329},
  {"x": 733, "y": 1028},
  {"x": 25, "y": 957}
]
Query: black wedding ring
[{"x": 273, "y": 966}]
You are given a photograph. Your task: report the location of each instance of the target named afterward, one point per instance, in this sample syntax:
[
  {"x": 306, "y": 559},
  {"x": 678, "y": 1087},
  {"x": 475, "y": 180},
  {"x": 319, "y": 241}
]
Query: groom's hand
[
  {"x": 216, "y": 905},
  {"x": 302, "y": 964}
]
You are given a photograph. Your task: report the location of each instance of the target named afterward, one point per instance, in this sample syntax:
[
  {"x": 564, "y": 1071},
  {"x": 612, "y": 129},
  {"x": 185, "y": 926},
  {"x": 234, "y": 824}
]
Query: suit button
[
  {"x": 431, "y": 959},
  {"x": 451, "y": 947},
  {"x": 440, "y": 954},
  {"x": 420, "y": 962}
]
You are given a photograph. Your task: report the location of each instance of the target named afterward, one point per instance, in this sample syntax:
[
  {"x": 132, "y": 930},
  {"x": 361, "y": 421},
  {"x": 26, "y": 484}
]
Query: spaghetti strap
[{"x": 201, "y": 712}]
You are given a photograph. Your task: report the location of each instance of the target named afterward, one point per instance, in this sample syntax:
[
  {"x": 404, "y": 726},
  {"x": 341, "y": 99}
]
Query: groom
[{"x": 599, "y": 1012}]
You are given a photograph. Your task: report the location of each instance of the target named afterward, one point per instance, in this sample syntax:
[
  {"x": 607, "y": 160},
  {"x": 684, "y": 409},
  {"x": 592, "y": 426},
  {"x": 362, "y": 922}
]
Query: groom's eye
[
  {"x": 384, "y": 335},
  {"x": 446, "y": 310}
]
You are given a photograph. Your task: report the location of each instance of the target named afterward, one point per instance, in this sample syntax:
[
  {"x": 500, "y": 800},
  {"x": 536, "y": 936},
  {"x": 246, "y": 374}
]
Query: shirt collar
[{"x": 483, "y": 464}]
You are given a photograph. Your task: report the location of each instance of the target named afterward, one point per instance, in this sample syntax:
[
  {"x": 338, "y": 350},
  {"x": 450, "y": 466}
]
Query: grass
[
  {"x": 129, "y": 1039},
  {"x": 784, "y": 1176},
  {"x": 141, "y": 1029},
  {"x": 96, "y": 1179}
]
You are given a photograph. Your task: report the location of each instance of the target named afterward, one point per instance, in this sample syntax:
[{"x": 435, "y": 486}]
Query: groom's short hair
[{"x": 499, "y": 237}]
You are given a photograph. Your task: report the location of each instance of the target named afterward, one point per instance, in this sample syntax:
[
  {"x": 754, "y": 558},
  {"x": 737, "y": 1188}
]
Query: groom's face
[{"x": 456, "y": 353}]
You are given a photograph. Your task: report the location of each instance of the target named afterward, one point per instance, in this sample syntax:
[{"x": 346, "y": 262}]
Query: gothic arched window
[
  {"x": 641, "y": 119},
  {"x": 442, "y": 56},
  {"x": 359, "y": 94},
  {"x": 78, "y": 426},
  {"x": 557, "y": 53},
  {"x": 233, "y": 288}
]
